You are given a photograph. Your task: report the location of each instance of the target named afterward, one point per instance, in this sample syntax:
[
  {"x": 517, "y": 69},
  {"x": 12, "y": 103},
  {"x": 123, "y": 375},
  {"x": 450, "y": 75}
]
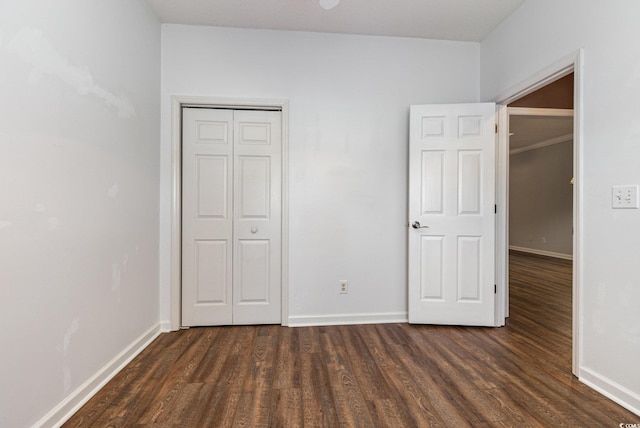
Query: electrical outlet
[{"x": 344, "y": 286}]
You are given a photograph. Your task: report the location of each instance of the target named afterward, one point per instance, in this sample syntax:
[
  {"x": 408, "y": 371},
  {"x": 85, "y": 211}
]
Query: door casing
[
  {"x": 177, "y": 103},
  {"x": 572, "y": 63}
]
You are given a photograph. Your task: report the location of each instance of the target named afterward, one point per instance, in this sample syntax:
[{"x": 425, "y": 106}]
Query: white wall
[
  {"x": 79, "y": 160},
  {"x": 349, "y": 103},
  {"x": 541, "y": 200},
  {"x": 538, "y": 34}
]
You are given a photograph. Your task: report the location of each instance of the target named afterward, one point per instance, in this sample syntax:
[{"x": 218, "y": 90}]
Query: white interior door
[
  {"x": 451, "y": 214},
  {"x": 231, "y": 217}
]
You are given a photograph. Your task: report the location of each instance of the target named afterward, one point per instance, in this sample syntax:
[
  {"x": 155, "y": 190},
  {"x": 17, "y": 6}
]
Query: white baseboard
[
  {"x": 623, "y": 396},
  {"x": 165, "y": 326},
  {"x": 541, "y": 252},
  {"x": 348, "y": 319},
  {"x": 72, "y": 403}
]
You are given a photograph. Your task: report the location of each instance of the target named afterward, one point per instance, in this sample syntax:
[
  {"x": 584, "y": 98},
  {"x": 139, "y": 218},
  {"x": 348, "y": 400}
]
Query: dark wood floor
[{"x": 387, "y": 375}]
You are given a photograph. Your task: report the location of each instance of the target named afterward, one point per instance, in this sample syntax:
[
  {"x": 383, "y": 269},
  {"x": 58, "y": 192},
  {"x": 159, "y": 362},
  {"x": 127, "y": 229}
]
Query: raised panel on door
[
  {"x": 431, "y": 268},
  {"x": 252, "y": 283},
  {"x": 432, "y": 182},
  {"x": 209, "y": 130},
  {"x": 211, "y": 272},
  {"x": 469, "y": 182},
  {"x": 469, "y": 269},
  {"x": 212, "y": 186},
  {"x": 451, "y": 199},
  {"x": 254, "y": 132},
  {"x": 254, "y": 187},
  {"x": 207, "y": 228}
]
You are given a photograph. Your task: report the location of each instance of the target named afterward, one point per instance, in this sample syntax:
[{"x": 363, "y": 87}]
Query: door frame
[
  {"x": 573, "y": 63},
  {"x": 177, "y": 103}
]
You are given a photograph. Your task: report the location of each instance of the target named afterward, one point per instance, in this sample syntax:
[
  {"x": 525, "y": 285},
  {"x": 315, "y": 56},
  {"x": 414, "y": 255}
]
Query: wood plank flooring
[{"x": 386, "y": 375}]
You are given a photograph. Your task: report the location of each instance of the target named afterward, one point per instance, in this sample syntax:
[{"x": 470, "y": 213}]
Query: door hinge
[
  {"x": 495, "y": 289},
  {"x": 495, "y": 209},
  {"x": 496, "y": 128}
]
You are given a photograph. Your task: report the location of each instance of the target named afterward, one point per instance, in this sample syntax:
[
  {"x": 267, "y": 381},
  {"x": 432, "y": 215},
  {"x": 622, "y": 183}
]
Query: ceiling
[{"x": 463, "y": 20}]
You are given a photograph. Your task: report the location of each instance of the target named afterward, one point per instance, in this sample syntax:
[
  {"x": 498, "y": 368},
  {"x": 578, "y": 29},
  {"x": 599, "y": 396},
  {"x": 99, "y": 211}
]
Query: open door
[{"x": 452, "y": 214}]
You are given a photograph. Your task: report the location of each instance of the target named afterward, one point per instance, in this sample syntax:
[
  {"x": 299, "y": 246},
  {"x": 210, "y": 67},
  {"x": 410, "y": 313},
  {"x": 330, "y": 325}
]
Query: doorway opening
[
  {"x": 570, "y": 68},
  {"x": 541, "y": 206},
  {"x": 570, "y": 65}
]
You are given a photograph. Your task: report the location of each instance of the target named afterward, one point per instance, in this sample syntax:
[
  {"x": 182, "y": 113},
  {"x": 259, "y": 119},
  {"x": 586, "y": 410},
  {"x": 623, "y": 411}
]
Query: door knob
[{"x": 416, "y": 225}]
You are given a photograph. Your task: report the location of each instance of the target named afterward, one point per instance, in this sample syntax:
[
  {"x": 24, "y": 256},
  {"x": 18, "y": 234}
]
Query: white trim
[
  {"x": 502, "y": 216},
  {"x": 177, "y": 102},
  {"x": 79, "y": 397},
  {"x": 623, "y": 396},
  {"x": 348, "y": 319},
  {"x": 284, "y": 105},
  {"x": 231, "y": 102},
  {"x": 573, "y": 63},
  {"x": 544, "y": 143},
  {"x": 578, "y": 209},
  {"x": 541, "y": 252},
  {"x": 531, "y": 111},
  {"x": 550, "y": 74},
  {"x": 175, "y": 277},
  {"x": 165, "y": 326}
]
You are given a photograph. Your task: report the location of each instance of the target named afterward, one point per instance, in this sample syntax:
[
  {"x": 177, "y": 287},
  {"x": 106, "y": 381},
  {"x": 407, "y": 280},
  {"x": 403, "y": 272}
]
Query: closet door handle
[{"x": 416, "y": 225}]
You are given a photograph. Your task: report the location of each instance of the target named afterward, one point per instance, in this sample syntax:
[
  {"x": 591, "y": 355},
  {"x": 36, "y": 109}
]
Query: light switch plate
[{"x": 624, "y": 196}]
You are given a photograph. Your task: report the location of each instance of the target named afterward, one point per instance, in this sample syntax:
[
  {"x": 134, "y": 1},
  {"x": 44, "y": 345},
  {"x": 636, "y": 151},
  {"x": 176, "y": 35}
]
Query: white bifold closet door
[{"x": 231, "y": 216}]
